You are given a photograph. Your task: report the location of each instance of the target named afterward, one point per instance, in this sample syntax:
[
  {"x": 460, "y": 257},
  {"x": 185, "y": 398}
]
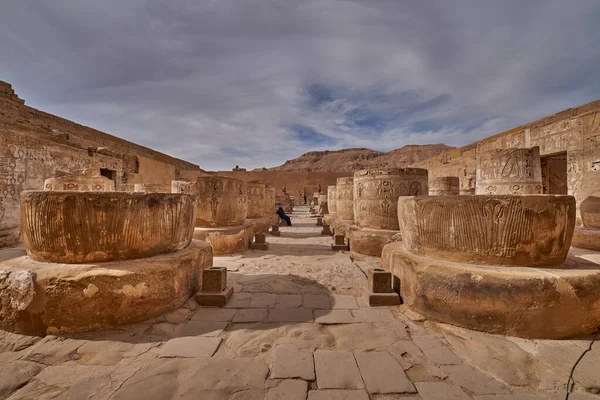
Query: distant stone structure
[{"x": 444, "y": 186}]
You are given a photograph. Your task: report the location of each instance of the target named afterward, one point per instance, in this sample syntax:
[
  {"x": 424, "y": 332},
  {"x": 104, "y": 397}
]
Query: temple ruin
[{"x": 471, "y": 275}]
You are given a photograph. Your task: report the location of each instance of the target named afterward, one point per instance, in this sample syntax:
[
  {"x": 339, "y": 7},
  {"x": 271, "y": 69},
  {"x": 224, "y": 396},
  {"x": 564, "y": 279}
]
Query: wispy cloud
[{"x": 257, "y": 82}]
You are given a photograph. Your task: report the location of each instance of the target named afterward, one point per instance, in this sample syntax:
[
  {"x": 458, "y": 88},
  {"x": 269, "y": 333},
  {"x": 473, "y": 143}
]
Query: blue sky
[{"x": 254, "y": 83}]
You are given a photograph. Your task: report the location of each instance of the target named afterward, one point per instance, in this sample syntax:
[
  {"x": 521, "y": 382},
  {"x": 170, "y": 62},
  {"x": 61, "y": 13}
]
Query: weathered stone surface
[
  {"x": 263, "y": 300},
  {"x": 515, "y": 171},
  {"x": 290, "y": 315},
  {"x": 337, "y": 370},
  {"x": 214, "y": 279},
  {"x": 269, "y": 206},
  {"x": 332, "y": 199},
  {"x": 379, "y": 280},
  {"x": 342, "y": 302},
  {"x": 376, "y": 192},
  {"x": 288, "y": 301},
  {"x": 250, "y": 315},
  {"x": 18, "y": 292},
  {"x": 316, "y": 301},
  {"x": 256, "y": 198},
  {"x": 152, "y": 187},
  {"x": 16, "y": 374},
  {"x": 474, "y": 380},
  {"x": 444, "y": 186},
  {"x": 334, "y": 394},
  {"x": 586, "y": 238},
  {"x": 372, "y": 315},
  {"x": 500, "y": 300},
  {"x": 107, "y": 294},
  {"x": 382, "y": 374},
  {"x": 498, "y": 230},
  {"x": 440, "y": 391},
  {"x": 289, "y": 362},
  {"x": 590, "y": 212},
  {"x": 332, "y": 317},
  {"x": 369, "y": 242},
  {"x": 88, "y": 180},
  {"x": 190, "y": 347},
  {"x": 435, "y": 350},
  {"x": 220, "y": 201},
  {"x": 82, "y": 227},
  {"x": 289, "y": 389},
  {"x": 227, "y": 240},
  {"x": 213, "y": 314},
  {"x": 345, "y": 195}
]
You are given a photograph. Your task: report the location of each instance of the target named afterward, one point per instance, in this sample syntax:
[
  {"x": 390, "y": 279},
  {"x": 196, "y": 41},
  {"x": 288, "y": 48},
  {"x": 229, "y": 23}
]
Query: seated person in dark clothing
[{"x": 282, "y": 215}]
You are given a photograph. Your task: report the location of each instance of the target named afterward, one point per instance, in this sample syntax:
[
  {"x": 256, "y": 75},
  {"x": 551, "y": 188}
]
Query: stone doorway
[{"x": 554, "y": 173}]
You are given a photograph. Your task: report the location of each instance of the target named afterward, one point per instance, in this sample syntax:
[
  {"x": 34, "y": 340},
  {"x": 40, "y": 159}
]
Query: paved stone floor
[{"x": 296, "y": 328}]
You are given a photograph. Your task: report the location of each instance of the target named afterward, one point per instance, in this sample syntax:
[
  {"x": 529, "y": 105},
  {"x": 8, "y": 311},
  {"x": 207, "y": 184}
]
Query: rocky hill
[{"x": 355, "y": 159}]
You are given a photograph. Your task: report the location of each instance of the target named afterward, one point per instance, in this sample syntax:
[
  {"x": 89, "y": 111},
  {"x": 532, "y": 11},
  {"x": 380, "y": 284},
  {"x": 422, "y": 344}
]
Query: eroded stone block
[
  {"x": 214, "y": 279},
  {"x": 380, "y": 280}
]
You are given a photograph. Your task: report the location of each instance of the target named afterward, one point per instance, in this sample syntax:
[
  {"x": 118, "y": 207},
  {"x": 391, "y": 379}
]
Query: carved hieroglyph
[
  {"x": 444, "y": 186},
  {"x": 152, "y": 188},
  {"x": 496, "y": 230},
  {"x": 509, "y": 171},
  {"x": 376, "y": 192},
  {"x": 81, "y": 227},
  {"x": 87, "y": 180},
  {"x": 345, "y": 196},
  {"x": 332, "y": 199},
  {"x": 256, "y": 198},
  {"x": 220, "y": 201}
]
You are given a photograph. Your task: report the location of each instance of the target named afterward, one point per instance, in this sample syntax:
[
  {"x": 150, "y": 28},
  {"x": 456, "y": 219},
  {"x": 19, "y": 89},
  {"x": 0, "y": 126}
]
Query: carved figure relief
[
  {"x": 415, "y": 189},
  {"x": 359, "y": 189},
  {"x": 385, "y": 190},
  {"x": 385, "y": 207}
]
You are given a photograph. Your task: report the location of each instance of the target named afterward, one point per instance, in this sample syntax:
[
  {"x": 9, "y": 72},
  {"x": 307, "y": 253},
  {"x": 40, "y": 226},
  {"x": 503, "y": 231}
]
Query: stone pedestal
[
  {"x": 339, "y": 243},
  {"x": 275, "y": 230},
  {"x": 319, "y": 221},
  {"x": 260, "y": 242},
  {"x": 444, "y": 186},
  {"x": 215, "y": 292},
  {"x": 514, "y": 171},
  {"x": 377, "y": 190},
  {"x": 326, "y": 231},
  {"x": 379, "y": 291},
  {"x": 88, "y": 180},
  {"x": 57, "y": 298}
]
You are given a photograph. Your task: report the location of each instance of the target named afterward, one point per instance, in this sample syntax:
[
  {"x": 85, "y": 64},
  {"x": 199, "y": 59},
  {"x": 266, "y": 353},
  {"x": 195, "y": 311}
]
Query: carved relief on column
[
  {"x": 509, "y": 171},
  {"x": 256, "y": 198},
  {"x": 87, "y": 180},
  {"x": 377, "y": 190},
  {"x": 345, "y": 196},
  {"x": 444, "y": 186},
  {"x": 332, "y": 199}
]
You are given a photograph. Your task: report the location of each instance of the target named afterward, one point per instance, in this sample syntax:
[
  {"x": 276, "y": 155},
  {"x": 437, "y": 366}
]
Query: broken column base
[
  {"x": 381, "y": 299},
  {"x": 369, "y": 242},
  {"x": 536, "y": 303},
  {"x": 214, "y": 299},
  {"x": 586, "y": 238},
  {"x": 227, "y": 240},
  {"x": 52, "y": 298}
]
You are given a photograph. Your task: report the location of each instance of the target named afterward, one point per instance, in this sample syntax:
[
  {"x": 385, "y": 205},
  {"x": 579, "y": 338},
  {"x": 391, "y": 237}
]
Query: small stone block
[
  {"x": 260, "y": 246},
  {"x": 340, "y": 240},
  {"x": 209, "y": 299},
  {"x": 326, "y": 231},
  {"x": 381, "y": 299},
  {"x": 380, "y": 280},
  {"x": 319, "y": 221},
  {"x": 275, "y": 230},
  {"x": 260, "y": 238},
  {"x": 214, "y": 279},
  {"x": 336, "y": 247}
]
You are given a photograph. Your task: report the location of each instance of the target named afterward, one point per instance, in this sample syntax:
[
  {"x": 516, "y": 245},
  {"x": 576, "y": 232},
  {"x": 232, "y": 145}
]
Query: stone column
[
  {"x": 331, "y": 199},
  {"x": 376, "y": 193},
  {"x": 509, "y": 171},
  {"x": 256, "y": 199},
  {"x": 345, "y": 196},
  {"x": 444, "y": 186},
  {"x": 88, "y": 180}
]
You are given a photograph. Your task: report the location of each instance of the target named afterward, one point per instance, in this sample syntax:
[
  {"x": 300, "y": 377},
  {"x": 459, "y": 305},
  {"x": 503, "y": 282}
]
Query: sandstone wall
[
  {"x": 295, "y": 182},
  {"x": 34, "y": 145},
  {"x": 574, "y": 132}
]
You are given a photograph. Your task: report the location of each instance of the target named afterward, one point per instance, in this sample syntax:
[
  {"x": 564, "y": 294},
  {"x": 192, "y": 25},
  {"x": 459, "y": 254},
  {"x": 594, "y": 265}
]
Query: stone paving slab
[
  {"x": 440, "y": 391},
  {"x": 263, "y": 300},
  {"x": 289, "y": 389},
  {"x": 239, "y": 300},
  {"x": 330, "y": 317},
  {"x": 343, "y": 302},
  {"x": 382, "y": 374},
  {"x": 288, "y": 301},
  {"x": 373, "y": 315},
  {"x": 290, "y": 362},
  {"x": 250, "y": 315},
  {"x": 213, "y": 314},
  {"x": 333, "y": 394},
  {"x": 474, "y": 380},
  {"x": 202, "y": 328},
  {"x": 337, "y": 370},
  {"x": 318, "y": 301},
  {"x": 290, "y": 315},
  {"x": 190, "y": 347},
  {"x": 433, "y": 349}
]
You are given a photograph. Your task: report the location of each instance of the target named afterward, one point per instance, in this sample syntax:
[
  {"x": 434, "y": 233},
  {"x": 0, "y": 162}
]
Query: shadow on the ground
[
  {"x": 299, "y": 235},
  {"x": 288, "y": 249},
  {"x": 267, "y": 301}
]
